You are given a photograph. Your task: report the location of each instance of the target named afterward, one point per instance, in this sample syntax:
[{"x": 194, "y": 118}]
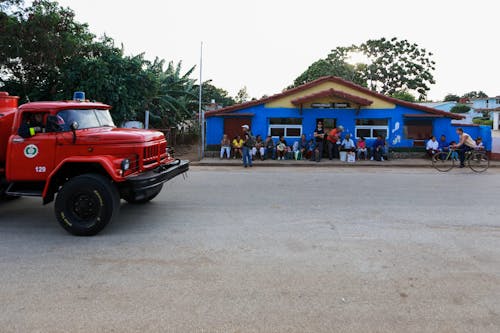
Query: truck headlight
[{"x": 125, "y": 165}]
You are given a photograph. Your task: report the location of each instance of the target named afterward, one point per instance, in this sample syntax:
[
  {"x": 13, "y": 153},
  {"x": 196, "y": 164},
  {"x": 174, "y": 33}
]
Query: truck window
[{"x": 86, "y": 118}]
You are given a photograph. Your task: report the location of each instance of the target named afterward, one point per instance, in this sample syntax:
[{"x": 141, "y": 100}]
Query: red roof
[
  {"x": 333, "y": 93},
  {"x": 341, "y": 82},
  {"x": 62, "y": 105}
]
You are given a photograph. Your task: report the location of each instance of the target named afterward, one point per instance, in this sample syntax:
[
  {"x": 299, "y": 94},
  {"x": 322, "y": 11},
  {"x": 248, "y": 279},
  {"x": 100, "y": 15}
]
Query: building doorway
[{"x": 232, "y": 126}]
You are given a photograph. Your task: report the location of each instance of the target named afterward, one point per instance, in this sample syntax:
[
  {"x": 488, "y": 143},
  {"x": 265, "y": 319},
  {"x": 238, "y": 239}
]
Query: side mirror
[{"x": 74, "y": 127}]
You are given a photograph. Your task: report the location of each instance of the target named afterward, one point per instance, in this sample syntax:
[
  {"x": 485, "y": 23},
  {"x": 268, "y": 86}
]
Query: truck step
[{"x": 25, "y": 189}]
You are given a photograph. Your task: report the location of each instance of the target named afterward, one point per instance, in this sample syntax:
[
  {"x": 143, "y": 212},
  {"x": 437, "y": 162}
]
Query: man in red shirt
[{"x": 333, "y": 139}]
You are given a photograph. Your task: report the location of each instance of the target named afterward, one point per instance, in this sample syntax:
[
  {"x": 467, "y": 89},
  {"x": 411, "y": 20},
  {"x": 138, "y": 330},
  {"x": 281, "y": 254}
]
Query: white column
[{"x": 495, "y": 121}]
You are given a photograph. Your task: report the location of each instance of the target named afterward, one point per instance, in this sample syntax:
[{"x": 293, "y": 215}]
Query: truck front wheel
[{"x": 86, "y": 204}]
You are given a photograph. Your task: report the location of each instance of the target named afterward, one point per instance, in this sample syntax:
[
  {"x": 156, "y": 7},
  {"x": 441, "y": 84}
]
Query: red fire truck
[{"x": 74, "y": 153}]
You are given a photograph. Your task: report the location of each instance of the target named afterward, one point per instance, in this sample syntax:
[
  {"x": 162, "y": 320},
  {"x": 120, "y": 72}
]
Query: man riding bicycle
[{"x": 465, "y": 143}]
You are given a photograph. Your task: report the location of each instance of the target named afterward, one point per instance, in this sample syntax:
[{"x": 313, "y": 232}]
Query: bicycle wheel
[
  {"x": 442, "y": 161},
  {"x": 478, "y": 161}
]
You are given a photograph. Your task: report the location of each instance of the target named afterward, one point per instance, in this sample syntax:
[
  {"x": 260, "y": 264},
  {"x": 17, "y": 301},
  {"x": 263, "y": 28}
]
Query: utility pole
[{"x": 201, "y": 113}]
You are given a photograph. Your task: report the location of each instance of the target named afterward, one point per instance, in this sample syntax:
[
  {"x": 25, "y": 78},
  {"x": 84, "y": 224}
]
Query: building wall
[
  {"x": 286, "y": 102},
  {"x": 486, "y": 103},
  {"x": 346, "y": 117}
]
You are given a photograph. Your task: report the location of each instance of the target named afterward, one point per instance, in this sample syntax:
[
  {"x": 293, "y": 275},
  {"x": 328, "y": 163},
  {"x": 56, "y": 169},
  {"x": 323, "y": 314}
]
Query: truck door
[{"x": 30, "y": 159}]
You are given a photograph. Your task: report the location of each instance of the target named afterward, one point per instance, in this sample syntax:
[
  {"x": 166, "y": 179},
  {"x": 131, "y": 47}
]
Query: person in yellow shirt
[{"x": 237, "y": 146}]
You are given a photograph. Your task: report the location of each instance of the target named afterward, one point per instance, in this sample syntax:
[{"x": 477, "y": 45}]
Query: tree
[
  {"x": 451, "y": 98},
  {"x": 47, "y": 55},
  {"x": 404, "y": 95},
  {"x": 242, "y": 95},
  {"x": 211, "y": 92},
  {"x": 334, "y": 65},
  {"x": 39, "y": 40},
  {"x": 390, "y": 66},
  {"x": 397, "y": 64},
  {"x": 475, "y": 94},
  {"x": 460, "y": 108}
]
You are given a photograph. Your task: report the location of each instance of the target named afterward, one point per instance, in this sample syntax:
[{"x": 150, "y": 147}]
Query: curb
[{"x": 386, "y": 164}]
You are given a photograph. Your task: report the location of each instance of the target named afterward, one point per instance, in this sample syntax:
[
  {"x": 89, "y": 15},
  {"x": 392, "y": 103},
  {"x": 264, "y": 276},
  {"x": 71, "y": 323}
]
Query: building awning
[
  {"x": 420, "y": 115},
  {"x": 332, "y": 93}
]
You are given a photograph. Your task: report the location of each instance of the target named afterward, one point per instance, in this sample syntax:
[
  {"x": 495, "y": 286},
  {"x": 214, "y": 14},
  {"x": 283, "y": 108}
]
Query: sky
[{"x": 265, "y": 44}]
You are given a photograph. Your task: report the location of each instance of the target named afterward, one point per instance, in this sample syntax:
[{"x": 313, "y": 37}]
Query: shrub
[
  {"x": 460, "y": 108},
  {"x": 483, "y": 121}
]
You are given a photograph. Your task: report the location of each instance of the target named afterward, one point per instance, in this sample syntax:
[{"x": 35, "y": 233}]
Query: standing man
[
  {"x": 248, "y": 143},
  {"x": 319, "y": 136},
  {"x": 333, "y": 139},
  {"x": 465, "y": 143}
]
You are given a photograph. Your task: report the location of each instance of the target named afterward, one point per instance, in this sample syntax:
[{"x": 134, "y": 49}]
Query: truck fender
[{"x": 105, "y": 164}]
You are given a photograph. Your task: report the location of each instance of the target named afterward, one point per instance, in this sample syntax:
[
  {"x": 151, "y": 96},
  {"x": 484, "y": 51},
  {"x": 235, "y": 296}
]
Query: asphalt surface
[{"x": 266, "y": 250}]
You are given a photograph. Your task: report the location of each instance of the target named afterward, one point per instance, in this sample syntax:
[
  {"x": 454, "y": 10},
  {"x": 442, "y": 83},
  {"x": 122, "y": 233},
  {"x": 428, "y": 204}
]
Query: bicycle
[{"x": 477, "y": 160}]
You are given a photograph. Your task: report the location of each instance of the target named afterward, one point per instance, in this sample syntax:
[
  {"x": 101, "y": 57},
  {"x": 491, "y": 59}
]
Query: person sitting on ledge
[
  {"x": 378, "y": 149},
  {"x": 281, "y": 148},
  {"x": 479, "y": 143},
  {"x": 361, "y": 149},
  {"x": 432, "y": 146},
  {"x": 237, "y": 146},
  {"x": 258, "y": 148},
  {"x": 269, "y": 151},
  {"x": 347, "y": 144},
  {"x": 225, "y": 147}
]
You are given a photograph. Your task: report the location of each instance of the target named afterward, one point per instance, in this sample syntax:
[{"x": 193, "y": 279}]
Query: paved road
[{"x": 266, "y": 250}]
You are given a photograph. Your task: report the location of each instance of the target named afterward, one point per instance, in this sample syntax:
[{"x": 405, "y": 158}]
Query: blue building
[{"x": 335, "y": 101}]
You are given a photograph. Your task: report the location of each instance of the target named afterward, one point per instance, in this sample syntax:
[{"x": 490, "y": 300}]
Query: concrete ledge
[{"x": 404, "y": 163}]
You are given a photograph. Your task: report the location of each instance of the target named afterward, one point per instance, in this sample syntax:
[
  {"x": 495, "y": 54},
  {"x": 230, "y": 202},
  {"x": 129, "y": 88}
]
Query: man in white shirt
[
  {"x": 432, "y": 146},
  {"x": 347, "y": 144}
]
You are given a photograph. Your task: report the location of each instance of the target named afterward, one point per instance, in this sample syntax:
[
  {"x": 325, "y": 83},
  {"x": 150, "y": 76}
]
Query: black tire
[
  {"x": 443, "y": 162},
  {"x": 478, "y": 161},
  {"x": 86, "y": 204},
  {"x": 142, "y": 199}
]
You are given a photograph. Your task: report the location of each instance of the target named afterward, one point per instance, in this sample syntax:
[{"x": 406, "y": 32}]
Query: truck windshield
[{"x": 86, "y": 118}]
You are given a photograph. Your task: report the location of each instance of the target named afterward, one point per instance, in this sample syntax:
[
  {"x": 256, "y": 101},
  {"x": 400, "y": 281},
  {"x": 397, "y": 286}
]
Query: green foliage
[
  {"x": 334, "y": 65},
  {"x": 404, "y": 95},
  {"x": 460, "y": 108},
  {"x": 242, "y": 95},
  {"x": 483, "y": 121},
  {"x": 451, "y": 98},
  {"x": 475, "y": 94},
  {"x": 47, "y": 55},
  {"x": 390, "y": 66},
  {"x": 397, "y": 64},
  {"x": 211, "y": 92}
]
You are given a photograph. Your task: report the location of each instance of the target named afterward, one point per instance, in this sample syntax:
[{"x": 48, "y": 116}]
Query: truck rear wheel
[
  {"x": 86, "y": 204},
  {"x": 143, "y": 197}
]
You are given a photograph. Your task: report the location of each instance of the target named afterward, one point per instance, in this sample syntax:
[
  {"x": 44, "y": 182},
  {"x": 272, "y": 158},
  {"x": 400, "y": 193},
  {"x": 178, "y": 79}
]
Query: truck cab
[{"x": 72, "y": 152}]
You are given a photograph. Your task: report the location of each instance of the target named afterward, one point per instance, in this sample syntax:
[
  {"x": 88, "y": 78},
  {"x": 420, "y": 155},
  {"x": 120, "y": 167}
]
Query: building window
[
  {"x": 497, "y": 101},
  {"x": 418, "y": 130},
  {"x": 371, "y": 128},
  {"x": 328, "y": 123},
  {"x": 288, "y": 127}
]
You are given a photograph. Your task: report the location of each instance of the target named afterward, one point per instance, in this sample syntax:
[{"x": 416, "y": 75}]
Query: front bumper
[{"x": 153, "y": 178}]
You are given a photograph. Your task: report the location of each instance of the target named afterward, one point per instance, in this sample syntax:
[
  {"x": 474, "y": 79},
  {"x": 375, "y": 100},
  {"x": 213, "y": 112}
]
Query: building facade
[{"x": 362, "y": 113}]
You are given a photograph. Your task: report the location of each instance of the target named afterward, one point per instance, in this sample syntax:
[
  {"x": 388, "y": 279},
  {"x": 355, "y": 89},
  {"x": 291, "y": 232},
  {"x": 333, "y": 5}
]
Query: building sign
[{"x": 330, "y": 105}]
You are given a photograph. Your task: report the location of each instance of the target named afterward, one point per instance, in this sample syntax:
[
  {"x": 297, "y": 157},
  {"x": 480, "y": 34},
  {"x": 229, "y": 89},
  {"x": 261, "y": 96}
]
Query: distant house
[
  {"x": 443, "y": 106},
  {"x": 486, "y": 103},
  {"x": 362, "y": 112}
]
